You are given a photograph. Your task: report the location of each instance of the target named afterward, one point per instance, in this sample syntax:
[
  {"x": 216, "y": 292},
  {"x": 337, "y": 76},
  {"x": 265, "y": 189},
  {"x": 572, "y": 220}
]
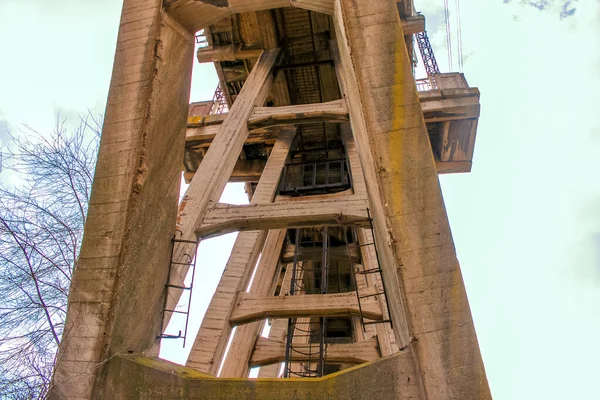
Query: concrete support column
[
  {"x": 116, "y": 297},
  {"x": 427, "y": 297}
]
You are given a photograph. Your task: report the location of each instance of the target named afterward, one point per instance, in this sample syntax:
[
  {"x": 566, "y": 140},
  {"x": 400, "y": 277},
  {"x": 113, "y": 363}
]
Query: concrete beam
[
  {"x": 392, "y": 378},
  {"x": 198, "y": 14},
  {"x": 322, "y": 6},
  {"x": 453, "y": 167},
  {"x": 450, "y": 105},
  {"x": 244, "y": 171},
  {"x": 413, "y": 24},
  {"x": 424, "y": 286},
  {"x": 253, "y": 308},
  {"x": 202, "y": 136},
  {"x": 332, "y": 111},
  {"x": 133, "y": 203},
  {"x": 366, "y": 253},
  {"x": 269, "y": 351},
  {"x": 436, "y": 105},
  {"x": 225, "y": 53},
  {"x": 225, "y": 218}
]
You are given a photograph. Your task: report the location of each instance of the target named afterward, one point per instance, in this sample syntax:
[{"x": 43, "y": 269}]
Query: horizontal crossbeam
[
  {"x": 437, "y": 105},
  {"x": 226, "y": 53},
  {"x": 450, "y": 104},
  {"x": 251, "y": 308},
  {"x": 225, "y": 218},
  {"x": 413, "y": 24},
  {"x": 244, "y": 171},
  {"x": 332, "y": 111},
  {"x": 202, "y": 136},
  {"x": 268, "y": 351}
]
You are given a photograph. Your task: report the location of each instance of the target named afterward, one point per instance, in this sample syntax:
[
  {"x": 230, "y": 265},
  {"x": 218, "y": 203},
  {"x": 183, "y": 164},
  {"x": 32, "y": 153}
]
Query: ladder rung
[
  {"x": 178, "y": 312},
  {"x": 370, "y": 295},
  {"x": 370, "y": 271},
  {"x": 376, "y": 322},
  {"x": 184, "y": 241},
  {"x": 179, "y": 286},
  {"x": 366, "y": 244},
  {"x": 180, "y": 263},
  {"x": 307, "y": 351},
  {"x": 168, "y": 336}
]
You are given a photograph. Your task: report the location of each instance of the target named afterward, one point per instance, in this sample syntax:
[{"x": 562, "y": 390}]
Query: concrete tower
[{"x": 319, "y": 112}]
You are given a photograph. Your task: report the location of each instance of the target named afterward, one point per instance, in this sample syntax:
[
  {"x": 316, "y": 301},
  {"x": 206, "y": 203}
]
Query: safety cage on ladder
[{"x": 324, "y": 262}]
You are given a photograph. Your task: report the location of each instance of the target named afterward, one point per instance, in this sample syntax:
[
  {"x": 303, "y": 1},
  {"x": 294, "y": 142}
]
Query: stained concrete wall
[
  {"x": 412, "y": 228},
  {"x": 139, "y": 378},
  {"x": 117, "y": 291}
]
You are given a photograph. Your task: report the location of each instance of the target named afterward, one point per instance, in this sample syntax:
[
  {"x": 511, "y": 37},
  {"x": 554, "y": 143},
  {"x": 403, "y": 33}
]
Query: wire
[
  {"x": 459, "y": 36},
  {"x": 448, "y": 35}
]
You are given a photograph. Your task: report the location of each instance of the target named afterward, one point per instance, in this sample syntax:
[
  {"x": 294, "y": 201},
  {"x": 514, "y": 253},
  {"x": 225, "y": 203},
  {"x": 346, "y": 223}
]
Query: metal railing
[
  {"x": 315, "y": 175},
  {"x": 431, "y": 66},
  {"x": 202, "y": 39},
  {"x": 429, "y": 62},
  {"x": 219, "y": 102},
  {"x": 425, "y": 84}
]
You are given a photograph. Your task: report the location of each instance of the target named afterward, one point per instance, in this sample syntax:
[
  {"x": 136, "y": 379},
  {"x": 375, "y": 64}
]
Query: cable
[
  {"x": 448, "y": 35},
  {"x": 459, "y": 36}
]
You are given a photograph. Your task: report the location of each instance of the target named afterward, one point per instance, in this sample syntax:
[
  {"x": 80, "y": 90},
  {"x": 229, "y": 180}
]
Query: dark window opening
[
  {"x": 318, "y": 163},
  {"x": 331, "y": 368}
]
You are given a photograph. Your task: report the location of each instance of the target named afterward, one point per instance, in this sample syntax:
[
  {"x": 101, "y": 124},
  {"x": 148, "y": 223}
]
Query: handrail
[
  {"x": 219, "y": 102},
  {"x": 425, "y": 84},
  {"x": 202, "y": 39}
]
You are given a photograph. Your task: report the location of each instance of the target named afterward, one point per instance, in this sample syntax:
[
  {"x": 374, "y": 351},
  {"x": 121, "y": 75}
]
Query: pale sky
[{"x": 526, "y": 221}]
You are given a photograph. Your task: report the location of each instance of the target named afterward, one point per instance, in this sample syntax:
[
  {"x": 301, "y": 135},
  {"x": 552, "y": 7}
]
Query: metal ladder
[
  {"x": 377, "y": 270},
  {"x": 219, "y": 102},
  {"x": 202, "y": 39},
  {"x": 431, "y": 66},
  {"x": 191, "y": 263},
  {"x": 313, "y": 354}
]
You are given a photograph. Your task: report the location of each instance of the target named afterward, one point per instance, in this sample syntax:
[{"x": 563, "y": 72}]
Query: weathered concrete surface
[
  {"x": 411, "y": 224},
  {"x": 118, "y": 286},
  {"x": 218, "y": 164},
  {"x": 198, "y": 14},
  {"x": 212, "y": 338},
  {"x": 133, "y": 202},
  {"x": 140, "y": 378}
]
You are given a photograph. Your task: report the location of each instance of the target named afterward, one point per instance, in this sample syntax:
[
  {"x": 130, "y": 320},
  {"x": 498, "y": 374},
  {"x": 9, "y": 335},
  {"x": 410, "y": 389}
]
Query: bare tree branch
[{"x": 45, "y": 189}]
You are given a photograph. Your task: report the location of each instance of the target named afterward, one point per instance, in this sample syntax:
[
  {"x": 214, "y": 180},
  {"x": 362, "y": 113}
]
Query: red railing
[
  {"x": 219, "y": 102},
  {"x": 426, "y": 84}
]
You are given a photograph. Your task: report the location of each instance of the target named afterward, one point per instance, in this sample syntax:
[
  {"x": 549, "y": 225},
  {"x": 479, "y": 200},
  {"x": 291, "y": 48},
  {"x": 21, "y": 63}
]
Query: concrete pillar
[
  {"x": 116, "y": 298},
  {"x": 424, "y": 284}
]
